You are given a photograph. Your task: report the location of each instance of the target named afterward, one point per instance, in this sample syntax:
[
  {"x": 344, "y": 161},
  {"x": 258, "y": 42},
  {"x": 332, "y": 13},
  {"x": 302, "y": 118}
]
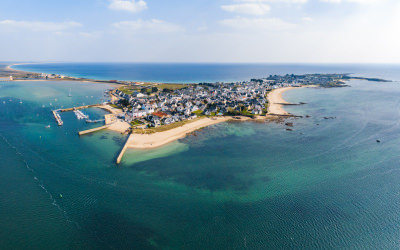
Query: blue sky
[{"x": 292, "y": 31}]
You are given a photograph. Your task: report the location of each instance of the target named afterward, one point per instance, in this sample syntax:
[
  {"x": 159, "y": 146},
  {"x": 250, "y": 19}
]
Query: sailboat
[{"x": 69, "y": 93}]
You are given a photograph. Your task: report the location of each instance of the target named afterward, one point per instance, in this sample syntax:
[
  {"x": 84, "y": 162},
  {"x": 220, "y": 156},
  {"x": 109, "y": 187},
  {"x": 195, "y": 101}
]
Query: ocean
[
  {"x": 327, "y": 184},
  {"x": 196, "y": 73}
]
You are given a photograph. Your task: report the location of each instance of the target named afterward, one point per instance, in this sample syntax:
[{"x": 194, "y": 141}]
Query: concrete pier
[
  {"x": 85, "y": 132},
  {"x": 124, "y": 149},
  {"x": 57, "y": 117},
  {"x": 81, "y": 107}
]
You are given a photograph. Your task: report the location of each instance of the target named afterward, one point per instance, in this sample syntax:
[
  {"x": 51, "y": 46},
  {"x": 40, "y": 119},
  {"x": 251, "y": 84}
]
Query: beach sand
[
  {"x": 148, "y": 141},
  {"x": 119, "y": 126},
  {"x": 276, "y": 101}
]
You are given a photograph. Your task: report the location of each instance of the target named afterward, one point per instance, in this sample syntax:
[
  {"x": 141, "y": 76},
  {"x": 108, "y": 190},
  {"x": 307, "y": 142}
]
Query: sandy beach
[
  {"x": 276, "y": 101},
  {"x": 148, "y": 141}
]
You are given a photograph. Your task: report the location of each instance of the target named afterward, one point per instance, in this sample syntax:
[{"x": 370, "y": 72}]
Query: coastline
[
  {"x": 150, "y": 141},
  {"x": 158, "y": 139},
  {"x": 276, "y": 101}
]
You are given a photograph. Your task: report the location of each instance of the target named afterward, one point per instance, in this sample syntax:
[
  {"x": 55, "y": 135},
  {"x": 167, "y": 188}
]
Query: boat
[
  {"x": 80, "y": 115},
  {"x": 48, "y": 126}
]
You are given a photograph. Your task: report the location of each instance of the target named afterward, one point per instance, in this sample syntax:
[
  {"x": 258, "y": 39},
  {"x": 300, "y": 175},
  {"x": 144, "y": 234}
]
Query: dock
[
  {"x": 85, "y": 132},
  {"x": 81, "y": 107},
  {"x": 121, "y": 154},
  {"x": 57, "y": 117}
]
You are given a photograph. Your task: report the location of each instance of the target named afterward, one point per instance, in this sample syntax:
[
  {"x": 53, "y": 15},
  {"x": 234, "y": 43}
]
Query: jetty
[
  {"x": 85, "y": 132},
  {"x": 57, "y": 117},
  {"x": 81, "y": 107},
  {"x": 121, "y": 154},
  {"x": 95, "y": 121}
]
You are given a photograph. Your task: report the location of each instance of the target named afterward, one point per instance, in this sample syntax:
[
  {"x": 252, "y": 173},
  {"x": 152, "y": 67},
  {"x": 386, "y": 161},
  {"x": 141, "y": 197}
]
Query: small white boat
[{"x": 48, "y": 126}]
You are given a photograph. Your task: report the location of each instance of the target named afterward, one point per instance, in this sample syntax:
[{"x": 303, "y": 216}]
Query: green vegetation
[
  {"x": 164, "y": 128},
  {"x": 123, "y": 102},
  {"x": 198, "y": 113},
  {"x": 115, "y": 106},
  {"x": 126, "y": 90},
  {"x": 172, "y": 86},
  {"x": 136, "y": 123}
]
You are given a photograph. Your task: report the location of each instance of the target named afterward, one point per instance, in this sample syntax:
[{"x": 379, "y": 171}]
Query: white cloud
[
  {"x": 257, "y": 23},
  {"x": 248, "y": 8},
  {"x": 273, "y": 1},
  {"x": 148, "y": 26},
  {"x": 12, "y": 25},
  {"x": 131, "y": 6},
  {"x": 307, "y": 19},
  {"x": 351, "y": 1}
]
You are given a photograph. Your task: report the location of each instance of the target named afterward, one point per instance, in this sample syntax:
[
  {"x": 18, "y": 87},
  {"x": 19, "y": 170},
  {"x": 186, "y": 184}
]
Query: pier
[
  {"x": 81, "y": 107},
  {"x": 85, "y": 132},
  {"x": 57, "y": 117},
  {"x": 121, "y": 154}
]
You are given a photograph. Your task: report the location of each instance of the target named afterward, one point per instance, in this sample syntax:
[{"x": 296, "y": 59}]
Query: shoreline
[
  {"x": 151, "y": 141},
  {"x": 159, "y": 139},
  {"x": 276, "y": 101}
]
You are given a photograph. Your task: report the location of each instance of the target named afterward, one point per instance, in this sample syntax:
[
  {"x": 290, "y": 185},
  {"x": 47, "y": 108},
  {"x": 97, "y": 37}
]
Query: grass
[
  {"x": 115, "y": 106},
  {"x": 198, "y": 112},
  {"x": 136, "y": 122},
  {"x": 172, "y": 86},
  {"x": 164, "y": 128},
  {"x": 127, "y": 90}
]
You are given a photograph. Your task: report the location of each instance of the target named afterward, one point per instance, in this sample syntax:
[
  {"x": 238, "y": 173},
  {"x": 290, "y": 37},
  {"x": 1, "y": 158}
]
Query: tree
[
  {"x": 143, "y": 91},
  {"x": 124, "y": 102},
  {"x": 154, "y": 90}
]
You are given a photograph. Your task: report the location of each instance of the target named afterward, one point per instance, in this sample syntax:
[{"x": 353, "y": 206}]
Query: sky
[{"x": 232, "y": 31}]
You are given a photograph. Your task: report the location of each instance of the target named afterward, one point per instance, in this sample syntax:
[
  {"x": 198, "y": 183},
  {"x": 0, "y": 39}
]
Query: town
[{"x": 155, "y": 105}]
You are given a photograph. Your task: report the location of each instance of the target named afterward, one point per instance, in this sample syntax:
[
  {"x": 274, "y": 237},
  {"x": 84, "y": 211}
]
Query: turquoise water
[
  {"x": 206, "y": 72},
  {"x": 325, "y": 185}
]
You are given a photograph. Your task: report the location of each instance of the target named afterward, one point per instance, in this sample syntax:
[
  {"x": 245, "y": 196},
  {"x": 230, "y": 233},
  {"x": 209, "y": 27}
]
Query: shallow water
[{"x": 326, "y": 184}]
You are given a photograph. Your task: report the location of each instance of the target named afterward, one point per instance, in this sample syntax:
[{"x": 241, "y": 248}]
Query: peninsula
[{"x": 155, "y": 114}]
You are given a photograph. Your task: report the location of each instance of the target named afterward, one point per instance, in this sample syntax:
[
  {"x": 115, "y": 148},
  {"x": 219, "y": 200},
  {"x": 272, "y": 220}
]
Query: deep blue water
[
  {"x": 325, "y": 185},
  {"x": 195, "y": 73}
]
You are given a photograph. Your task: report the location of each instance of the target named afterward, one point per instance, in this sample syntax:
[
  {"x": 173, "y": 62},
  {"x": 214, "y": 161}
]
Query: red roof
[{"x": 160, "y": 114}]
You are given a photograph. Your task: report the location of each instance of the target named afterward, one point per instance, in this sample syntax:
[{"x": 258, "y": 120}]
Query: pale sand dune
[{"x": 159, "y": 139}]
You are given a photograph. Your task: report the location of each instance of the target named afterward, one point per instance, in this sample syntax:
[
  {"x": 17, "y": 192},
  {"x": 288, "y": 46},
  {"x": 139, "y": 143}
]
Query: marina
[{"x": 80, "y": 115}]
